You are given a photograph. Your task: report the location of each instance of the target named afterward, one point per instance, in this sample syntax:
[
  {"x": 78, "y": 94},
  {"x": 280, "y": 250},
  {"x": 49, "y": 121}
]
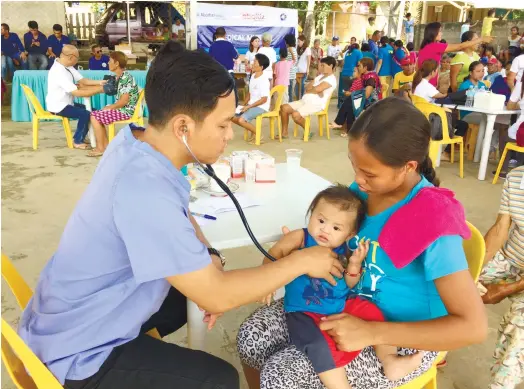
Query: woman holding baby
[{"x": 409, "y": 270}]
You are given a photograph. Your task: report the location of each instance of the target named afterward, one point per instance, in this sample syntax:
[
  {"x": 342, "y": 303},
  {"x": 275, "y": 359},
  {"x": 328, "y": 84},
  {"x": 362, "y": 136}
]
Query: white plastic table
[
  {"x": 284, "y": 203},
  {"x": 485, "y": 132}
]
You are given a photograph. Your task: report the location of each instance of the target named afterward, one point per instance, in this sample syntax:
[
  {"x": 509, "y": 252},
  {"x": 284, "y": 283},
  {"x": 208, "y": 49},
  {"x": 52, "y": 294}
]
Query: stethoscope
[{"x": 208, "y": 169}]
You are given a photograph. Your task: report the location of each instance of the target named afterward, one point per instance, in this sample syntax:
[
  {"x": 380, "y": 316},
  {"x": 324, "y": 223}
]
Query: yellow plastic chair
[
  {"x": 39, "y": 113},
  {"x": 23, "y": 292},
  {"x": 509, "y": 146},
  {"x": 138, "y": 117},
  {"x": 427, "y": 108},
  {"x": 273, "y": 115},
  {"x": 475, "y": 249},
  {"x": 17, "y": 284},
  {"x": 322, "y": 115},
  {"x": 23, "y": 366}
]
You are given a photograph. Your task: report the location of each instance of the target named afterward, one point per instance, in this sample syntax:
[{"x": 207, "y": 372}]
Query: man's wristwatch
[{"x": 213, "y": 251}]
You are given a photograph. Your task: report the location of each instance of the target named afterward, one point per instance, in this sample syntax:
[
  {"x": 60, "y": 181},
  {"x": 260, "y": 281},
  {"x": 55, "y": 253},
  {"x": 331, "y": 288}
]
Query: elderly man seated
[
  {"x": 317, "y": 94},
  {"x": 63, "y": 85},
  {"x": 503, "y": 277},
  {"x": 122, "y": 109}
]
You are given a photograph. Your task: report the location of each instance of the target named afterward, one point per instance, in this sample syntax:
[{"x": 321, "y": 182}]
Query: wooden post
[
  {"x": 84, "y": 34},
  {"x": 78, "y": 36}
]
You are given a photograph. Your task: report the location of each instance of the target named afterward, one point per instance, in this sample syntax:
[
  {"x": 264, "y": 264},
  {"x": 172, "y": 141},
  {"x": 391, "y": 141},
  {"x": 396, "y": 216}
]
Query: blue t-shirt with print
[
  {"x": 306, "y": 294},
  {"x": 99, "y": 64},
  {"x": 386, "y": 55},
  {"x": 406, "y": 294},
  {"x": 350, "y": 62}
]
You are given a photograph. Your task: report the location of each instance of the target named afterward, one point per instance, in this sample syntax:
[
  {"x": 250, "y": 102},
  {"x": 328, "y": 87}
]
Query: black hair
[
  {"x": 516, "y": 28},
  {"x": 408, "y": 15},
  {"x": 430, "y": 33},
  {"x": 406, "y": 139},
  {"x": 345, "y": 199},
  {"x": 472, "y": 66},
  {"x": 391, "y": 40},
  {"x": 489, "y": 48},
  {"x": 330, "y": 61},
  {"x": 283, "y": 52},
  {"x": 290, "y": 40},
  {"x": 384, "y": 40},
  {"x": 371, "y": 19},
  {"x": 491, "y": 12},
  {"x": 399, "y": 43},
  {"x": 376, "y": 32},
  {"x": 262, "y": 60},
  {"x": 32, "y": 25},
  {"x": 443, "y": 41},
  {"x": 57, "y": 27},
  {"x": 355, "y": 46},
  {"x": 467, "y": 36},
  {"x": 365, "y": 47},
  {"x": 194, "y": 76},
  {"x": 6, "y": 26},
  {"x": 220, "y": 31},
  {"x": 253, "y": 38},
  {"x": 353, "y": 37},
  {"x": 410, "y": 46}
]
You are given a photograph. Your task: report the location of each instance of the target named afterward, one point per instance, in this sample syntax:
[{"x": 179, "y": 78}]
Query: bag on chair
[
  {"x": 358, "y": 101},
  {"x": 111, "y": 86},
  {"x": 456, "y": 98},
  {"x": 436, "y": 126}
]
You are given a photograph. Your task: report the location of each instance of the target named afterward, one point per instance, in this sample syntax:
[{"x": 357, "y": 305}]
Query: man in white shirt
[
  {"x": 334, "y": 49},
  {"x": 515, "y": 73},
  {"x": 178, "y": 28},
  {"x": 258, "y": 98},
  {"x": 270, "y": 53},
  {"x": 64, "y": 83},
  {"x": 317, "y": 96}
]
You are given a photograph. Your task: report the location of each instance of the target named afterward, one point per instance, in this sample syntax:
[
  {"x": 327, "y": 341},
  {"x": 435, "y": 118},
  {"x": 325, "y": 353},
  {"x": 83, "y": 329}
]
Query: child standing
[
  {"x": 336, "y": 214},
  {"x": 282, "y": 70}
]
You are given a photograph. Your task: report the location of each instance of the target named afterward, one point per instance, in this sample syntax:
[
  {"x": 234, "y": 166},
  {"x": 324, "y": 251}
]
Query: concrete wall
[
  {"x": 17, "y": 13},
  {"x": 451, "y": 32}
]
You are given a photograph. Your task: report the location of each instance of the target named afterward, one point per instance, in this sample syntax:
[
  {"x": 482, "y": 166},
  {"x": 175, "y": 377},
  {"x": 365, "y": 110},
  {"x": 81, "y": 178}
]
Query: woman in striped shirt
[{"x": 503, "y": 276}]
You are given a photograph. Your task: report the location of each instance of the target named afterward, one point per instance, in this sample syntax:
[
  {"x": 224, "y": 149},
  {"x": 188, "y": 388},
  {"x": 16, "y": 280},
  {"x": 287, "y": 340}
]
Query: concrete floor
[{"x": 40, "y": 189}]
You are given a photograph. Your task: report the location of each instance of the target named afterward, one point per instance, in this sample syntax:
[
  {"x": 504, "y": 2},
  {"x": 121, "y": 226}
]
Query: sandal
[
  {"x": 82, "y": 146},
  {"x": 334, "y": 126},
  {"x": 344, "y": 134},
  {"x": 253, "y": 141},
  {"x": 95, "y": 153}
]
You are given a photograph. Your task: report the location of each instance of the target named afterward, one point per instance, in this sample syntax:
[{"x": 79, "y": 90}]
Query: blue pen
[{"x": 204, "y": 215}]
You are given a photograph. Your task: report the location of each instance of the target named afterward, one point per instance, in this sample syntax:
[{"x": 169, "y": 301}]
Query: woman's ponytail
[
  {"x": 428, "y": 67},
  {"x": 426, "y": 169}
]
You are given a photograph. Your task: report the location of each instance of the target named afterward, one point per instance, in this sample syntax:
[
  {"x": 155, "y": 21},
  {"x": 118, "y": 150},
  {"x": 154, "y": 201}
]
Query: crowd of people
[{"x": 289, "y": 344}]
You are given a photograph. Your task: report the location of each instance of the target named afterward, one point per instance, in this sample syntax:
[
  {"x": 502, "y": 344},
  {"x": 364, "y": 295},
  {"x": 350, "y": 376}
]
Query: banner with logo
[{"x": 242, "y": 22}]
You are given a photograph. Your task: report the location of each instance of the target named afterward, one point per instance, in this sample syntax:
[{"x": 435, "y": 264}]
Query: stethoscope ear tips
[{"x": 352, "y": 244}]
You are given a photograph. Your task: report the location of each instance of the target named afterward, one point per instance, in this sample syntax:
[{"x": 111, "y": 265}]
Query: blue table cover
[{"x": 37, "y": 81}]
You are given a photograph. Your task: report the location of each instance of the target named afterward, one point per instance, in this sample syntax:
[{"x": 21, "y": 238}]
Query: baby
[{"x": 335, "y": 217}]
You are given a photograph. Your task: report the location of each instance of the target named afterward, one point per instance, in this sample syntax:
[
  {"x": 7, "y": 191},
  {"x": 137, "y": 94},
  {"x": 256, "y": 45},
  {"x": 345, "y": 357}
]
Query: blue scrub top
[
  {"x": 129, "y": 231},
  {"x": 350, "y": 62},
  {"x": 386, "y": 55},
  {"x": 56, "y": 45}
]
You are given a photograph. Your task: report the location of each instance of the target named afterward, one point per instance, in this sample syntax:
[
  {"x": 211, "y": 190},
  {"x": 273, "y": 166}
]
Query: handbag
[
  {"x": 436, "y": 126},
  {"x": 111, "y": 86},
  {"x": 456, "y": 98}
]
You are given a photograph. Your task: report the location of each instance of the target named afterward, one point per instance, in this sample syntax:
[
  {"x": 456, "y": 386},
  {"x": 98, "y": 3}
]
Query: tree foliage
[{"x": 322, "y": 10}]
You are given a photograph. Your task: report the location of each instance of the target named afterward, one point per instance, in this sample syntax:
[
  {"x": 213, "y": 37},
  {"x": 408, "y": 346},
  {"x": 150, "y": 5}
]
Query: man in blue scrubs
[
  {"x": 385, "y": 64},
  {"x": 56, "y": 42},
  {"x": 13, "y": 52},
  {"x": 36, "y": 45},
  {"x": 98, "y": 61},
  {"x": 131, "y": 253}
]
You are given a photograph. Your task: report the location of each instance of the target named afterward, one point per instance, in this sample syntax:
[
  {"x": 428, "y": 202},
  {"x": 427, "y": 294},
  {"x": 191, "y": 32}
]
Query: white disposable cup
[
  {"x": 223, "y": 172},
  {"x": 293, "y": 157}
]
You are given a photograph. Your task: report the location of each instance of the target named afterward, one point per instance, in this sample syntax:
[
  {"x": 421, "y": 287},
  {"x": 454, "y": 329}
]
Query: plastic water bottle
[{"x": 470, "y": 96}]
